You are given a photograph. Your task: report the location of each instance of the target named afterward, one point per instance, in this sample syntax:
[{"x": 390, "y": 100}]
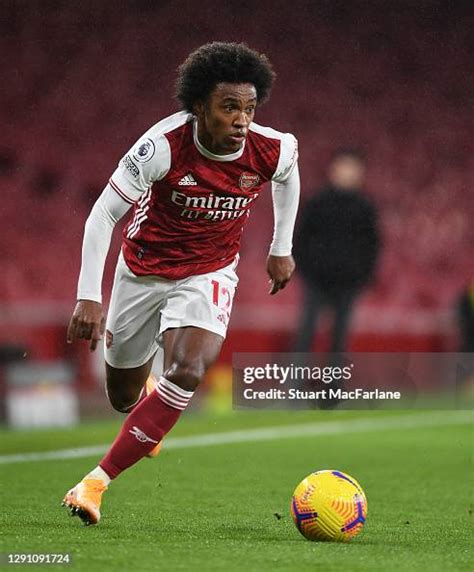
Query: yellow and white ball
[{"x": 329, "y": 505}]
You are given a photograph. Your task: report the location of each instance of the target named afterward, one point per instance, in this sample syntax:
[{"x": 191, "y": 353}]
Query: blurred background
[{"x": 83, "y": 80}]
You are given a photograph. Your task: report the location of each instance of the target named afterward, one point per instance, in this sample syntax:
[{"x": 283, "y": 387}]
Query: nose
[{"x": 241, "y": 120}]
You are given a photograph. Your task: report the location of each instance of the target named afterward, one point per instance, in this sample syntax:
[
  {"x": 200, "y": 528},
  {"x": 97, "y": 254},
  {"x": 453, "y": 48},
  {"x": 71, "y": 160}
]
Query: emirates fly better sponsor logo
[{"x": 212, "y": 207}]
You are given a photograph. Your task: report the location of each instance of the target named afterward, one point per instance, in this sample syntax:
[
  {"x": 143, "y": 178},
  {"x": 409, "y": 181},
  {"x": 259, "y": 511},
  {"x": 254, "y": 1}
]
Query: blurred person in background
[
  {"x": 466, "y": 318},
  {"x": 336, "y": 248}
]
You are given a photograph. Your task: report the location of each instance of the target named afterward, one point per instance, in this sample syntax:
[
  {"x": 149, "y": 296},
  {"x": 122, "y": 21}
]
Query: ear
[{"x": 198, "y": 109}]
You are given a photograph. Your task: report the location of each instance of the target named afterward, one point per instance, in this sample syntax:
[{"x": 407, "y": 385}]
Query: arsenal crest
[
  {"x": 247, "y": 181},
  {"x": 109, "y": 338}
]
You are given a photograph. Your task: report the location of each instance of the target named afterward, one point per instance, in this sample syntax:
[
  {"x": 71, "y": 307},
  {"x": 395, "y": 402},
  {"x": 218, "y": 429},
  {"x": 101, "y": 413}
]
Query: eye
[{"x": 250, "y": 110}]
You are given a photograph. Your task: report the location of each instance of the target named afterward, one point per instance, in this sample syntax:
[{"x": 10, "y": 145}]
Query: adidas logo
[{"x": 187, "y": 181}]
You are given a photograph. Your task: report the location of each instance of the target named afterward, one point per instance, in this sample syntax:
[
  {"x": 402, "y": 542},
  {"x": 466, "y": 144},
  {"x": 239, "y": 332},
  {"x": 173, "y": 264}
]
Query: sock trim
[
  {"x": 173, "y": 395},
  {"x": 173, "y": 387}
]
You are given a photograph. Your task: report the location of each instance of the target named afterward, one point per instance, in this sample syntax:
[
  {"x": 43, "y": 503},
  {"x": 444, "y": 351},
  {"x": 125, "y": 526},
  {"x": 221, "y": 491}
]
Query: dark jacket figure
[
  {"x": 466, "y": 318},
  {"x": 336, "y": 248}
]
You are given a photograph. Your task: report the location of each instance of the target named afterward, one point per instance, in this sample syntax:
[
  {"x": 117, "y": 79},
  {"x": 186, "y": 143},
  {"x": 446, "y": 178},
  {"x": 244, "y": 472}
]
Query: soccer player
[{"x": 191, "y": 180}]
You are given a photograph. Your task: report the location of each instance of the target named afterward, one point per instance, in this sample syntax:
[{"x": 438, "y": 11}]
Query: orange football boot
[{"x": 84, "y": 500}]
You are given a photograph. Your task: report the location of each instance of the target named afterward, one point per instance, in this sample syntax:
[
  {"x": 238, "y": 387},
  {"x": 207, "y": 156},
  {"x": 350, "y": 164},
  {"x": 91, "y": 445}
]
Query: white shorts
[{"x": 143, "y": 307}]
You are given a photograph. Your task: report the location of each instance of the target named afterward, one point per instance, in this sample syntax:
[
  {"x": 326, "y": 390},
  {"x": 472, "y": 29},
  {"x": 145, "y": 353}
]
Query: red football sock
[{"x": 145, "y": 426}]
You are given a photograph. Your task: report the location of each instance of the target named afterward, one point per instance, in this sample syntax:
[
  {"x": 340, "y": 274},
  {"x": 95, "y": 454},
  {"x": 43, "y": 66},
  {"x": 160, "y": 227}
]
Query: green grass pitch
[{"x": 226, "y": 507}]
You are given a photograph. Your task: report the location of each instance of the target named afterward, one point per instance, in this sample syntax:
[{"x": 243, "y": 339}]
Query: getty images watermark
[
  {"x": 357, "y": 380},
  {"x": 294, "y": 374}
]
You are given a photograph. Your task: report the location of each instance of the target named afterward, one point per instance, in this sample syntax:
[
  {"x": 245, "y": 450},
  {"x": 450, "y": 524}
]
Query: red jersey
[{"x": 190, "y": 205}]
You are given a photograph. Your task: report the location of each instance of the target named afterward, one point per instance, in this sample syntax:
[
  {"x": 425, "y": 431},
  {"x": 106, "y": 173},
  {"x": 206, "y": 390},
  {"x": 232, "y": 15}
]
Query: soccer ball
[{"x": 329, "y": 505}]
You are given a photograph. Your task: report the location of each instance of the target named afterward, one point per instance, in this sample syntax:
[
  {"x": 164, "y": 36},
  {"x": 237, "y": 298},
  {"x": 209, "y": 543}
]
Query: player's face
[{"x": 223, "y": 120}]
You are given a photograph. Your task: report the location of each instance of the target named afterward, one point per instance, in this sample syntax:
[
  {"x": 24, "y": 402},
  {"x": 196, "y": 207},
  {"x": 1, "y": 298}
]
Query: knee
[
  {"x": 124, "y": 386},
  {"x": 186, "y": 373},
  {"x": 120, "y": 405},
  {"x": 121, "y": 400}
]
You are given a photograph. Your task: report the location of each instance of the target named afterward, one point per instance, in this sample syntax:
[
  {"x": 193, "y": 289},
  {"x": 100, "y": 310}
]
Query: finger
[
  {"x": 102, "y": 327},
  {"x": 96, "y": 336},
  {"x": 275, "y": 287},
  {"x": 71, "y": 331},
  {"x": 85, "y": 331}
]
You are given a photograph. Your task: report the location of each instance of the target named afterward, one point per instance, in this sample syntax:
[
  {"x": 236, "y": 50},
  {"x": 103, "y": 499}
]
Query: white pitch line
[{"x": 267, "y": 434}]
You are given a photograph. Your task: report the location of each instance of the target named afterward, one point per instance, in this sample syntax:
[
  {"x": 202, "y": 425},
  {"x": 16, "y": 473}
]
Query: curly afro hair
[{"x": 222, "y": 62}]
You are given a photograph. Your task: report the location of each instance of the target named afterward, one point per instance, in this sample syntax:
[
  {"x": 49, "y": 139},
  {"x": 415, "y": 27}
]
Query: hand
[
  {"x": 87, "y": 323},
  {"x": 280, "y": 269}
]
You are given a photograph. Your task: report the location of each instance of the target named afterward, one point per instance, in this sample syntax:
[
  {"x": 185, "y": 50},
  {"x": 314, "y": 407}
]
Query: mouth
[{"x": 237, "y": 138}]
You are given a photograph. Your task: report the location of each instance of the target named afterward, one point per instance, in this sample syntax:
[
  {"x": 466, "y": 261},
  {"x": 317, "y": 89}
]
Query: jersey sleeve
[
  {"x": 106, "y": 212},
  {"x": 149, "y": 160},
  {"x": 285, "y": 206},
  {"x": 288, "y": 158}
]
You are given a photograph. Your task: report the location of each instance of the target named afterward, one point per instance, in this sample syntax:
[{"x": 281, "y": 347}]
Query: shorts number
[{"x": 217, "y": 292}]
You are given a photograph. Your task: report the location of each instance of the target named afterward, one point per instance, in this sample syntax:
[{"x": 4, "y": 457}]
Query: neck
[
  {"x": 203, "y": 142},
  {"x": 207, "y": 141}
]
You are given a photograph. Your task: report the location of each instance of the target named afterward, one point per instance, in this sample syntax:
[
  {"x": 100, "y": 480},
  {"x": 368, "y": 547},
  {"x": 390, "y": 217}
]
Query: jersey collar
[{"x": 200, "y": 147}]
